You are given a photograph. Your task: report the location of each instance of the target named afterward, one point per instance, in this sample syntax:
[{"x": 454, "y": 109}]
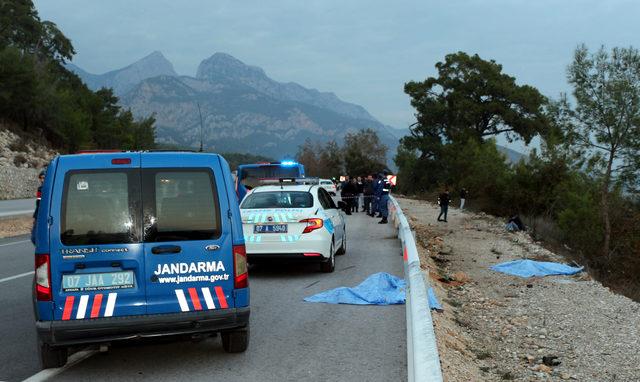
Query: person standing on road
[
  {"x": 35, "y": 212},
  {"x": 377, "y": 192},
  {"x": 368, "y": 195},
  {"x": 346, "y": 194},
  {"x": 463, "y": 197},
  {"x": 443, "y": 200},
  {"x": 384, "y": 199},
  {"x": 360, "y": 199},
  {"x": 353, "y": 190}
]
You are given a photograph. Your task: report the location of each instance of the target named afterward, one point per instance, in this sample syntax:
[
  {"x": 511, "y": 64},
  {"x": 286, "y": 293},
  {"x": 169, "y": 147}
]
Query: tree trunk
[{"x": 606, "y": 220}]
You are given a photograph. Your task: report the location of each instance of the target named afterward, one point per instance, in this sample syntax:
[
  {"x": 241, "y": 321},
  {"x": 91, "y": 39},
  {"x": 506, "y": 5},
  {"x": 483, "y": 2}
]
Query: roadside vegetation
[
  {"x": 40, "y": 98},
  {"x": 361, "y": 153},
  {"x": 578, "y": 191}
]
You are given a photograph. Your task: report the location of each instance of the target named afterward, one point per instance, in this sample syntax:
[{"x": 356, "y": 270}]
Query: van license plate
[
  {"x": 98, "y": 281},
  {"x": 270, "y": 228}
]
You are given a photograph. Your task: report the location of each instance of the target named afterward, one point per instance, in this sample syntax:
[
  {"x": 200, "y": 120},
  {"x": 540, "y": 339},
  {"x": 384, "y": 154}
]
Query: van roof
[{"x": 115, "y": 153}]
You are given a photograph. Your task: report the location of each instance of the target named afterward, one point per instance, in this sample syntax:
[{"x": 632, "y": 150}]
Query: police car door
[
  {"x": 97, "y": 264},
  {"x": 333, "y": 215},
  {"x": 188, "y": 244}
]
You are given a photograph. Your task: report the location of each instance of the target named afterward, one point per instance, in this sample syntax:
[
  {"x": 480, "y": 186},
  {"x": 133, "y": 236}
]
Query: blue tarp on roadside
[
  {"x": 378, "y": 289},
  {"x": 433, "y": 300},
  {"x": 530, "y": 268}
]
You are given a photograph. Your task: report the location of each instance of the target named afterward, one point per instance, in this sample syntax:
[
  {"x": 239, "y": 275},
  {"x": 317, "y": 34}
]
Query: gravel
[
  {"x": 21, "y": 160},
  {"x": 498, "y": 327}
]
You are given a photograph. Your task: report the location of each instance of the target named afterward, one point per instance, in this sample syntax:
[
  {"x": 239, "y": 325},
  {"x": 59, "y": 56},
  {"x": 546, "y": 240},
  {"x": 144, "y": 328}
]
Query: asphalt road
[
  {"x": 291, "y": 340},
  {"x": 16, "y": 207}
]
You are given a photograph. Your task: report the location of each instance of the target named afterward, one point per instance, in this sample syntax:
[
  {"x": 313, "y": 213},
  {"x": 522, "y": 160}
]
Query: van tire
[
  {"x": 236, "y": 341},
  {"x": 51, "y": 357},
  {"x": 329, "y": 265}
]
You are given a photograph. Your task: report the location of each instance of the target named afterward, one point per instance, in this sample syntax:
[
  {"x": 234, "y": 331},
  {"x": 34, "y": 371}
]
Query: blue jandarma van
[{"x": 138, "y": 244}]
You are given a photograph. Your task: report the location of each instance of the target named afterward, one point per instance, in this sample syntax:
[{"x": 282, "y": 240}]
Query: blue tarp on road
[
  {"x": 530, "y": 268},
  {"x": 378, "y": 289}
]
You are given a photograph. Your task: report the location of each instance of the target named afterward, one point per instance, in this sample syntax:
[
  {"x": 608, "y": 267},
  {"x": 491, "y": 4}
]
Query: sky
[{"x": 361, "y": 50}]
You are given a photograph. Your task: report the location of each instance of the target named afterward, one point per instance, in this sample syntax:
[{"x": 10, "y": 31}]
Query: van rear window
[
  {"x": 99, "y": 207},
  {"x": 180, "y": 204}
]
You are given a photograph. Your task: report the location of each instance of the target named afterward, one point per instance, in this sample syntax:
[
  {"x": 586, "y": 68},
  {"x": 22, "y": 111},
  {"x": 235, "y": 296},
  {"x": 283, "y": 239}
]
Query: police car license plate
[
  {"x": 98, "y": 281},
  {"x": 270, "y": 228}
]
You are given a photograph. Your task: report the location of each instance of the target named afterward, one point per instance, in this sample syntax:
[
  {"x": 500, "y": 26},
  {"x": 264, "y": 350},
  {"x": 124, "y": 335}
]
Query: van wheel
[
  {"x": 343, "y": 247},
  {"x": 236, "y": 341},
  {"x": 329, "y": 265},
  {"x": 51, "y": 357}
]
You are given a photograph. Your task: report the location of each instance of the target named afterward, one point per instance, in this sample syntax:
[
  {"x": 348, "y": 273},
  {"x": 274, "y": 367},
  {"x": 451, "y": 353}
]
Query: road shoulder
[{"x": 15, "y": 226}]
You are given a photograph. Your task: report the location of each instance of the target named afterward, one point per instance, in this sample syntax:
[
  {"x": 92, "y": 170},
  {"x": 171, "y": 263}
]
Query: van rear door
[
  {"x": 96, "y": 251},
  {"x": 187, "y": 234}
]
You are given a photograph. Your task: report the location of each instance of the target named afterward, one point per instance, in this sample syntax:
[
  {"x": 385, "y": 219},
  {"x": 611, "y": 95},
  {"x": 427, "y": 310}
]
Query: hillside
[{"x": 243, "y": 110}]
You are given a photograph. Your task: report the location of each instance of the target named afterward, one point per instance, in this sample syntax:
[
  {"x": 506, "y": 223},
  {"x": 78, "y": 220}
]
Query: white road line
[
  {"x": 16, "y": 276},
  {"x": 15, "y": 242},
  {"x": 50, "y": 373}
]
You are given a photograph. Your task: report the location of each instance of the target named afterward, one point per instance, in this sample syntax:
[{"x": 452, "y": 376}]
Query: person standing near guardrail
[
  {"x": 384, "y": 199},
  {"x": 443, "y": 201}
]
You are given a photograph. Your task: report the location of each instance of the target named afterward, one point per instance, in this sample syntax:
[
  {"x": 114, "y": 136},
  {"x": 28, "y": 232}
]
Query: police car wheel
[
  {"x": 343, "y": 246},
  {"x": 51, "y": 357},
  {"x": 235, "y": 341},
  {"x": 329, "y": 265}
]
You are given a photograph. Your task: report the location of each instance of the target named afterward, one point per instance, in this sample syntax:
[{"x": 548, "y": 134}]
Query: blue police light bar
[{"x": 288, "y": 163}]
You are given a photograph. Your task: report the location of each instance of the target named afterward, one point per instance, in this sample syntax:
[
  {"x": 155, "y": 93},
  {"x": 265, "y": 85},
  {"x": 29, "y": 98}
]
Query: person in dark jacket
[
  {"x": 384, "y": 199},
  {"x": 346, "y": 192},
  {"x": 443, "y": 200},
  {"x": 35, "y": 212},
  {"x": 353, "y": 191},
  {"x": 368, "y": 195},
  {"x": 463, "y": 197}
]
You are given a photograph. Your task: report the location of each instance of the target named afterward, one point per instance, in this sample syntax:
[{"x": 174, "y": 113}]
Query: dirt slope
[{"x": 497, "y": 327}]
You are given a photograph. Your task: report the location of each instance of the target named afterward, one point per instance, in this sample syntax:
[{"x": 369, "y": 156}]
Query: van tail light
[
  {"x": 312, "y": 224},
  {"x": 240, "y": 267},
  {"x": 43, "y": 277}
]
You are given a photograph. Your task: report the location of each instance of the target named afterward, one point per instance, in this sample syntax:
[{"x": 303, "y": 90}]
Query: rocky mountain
[
  {"x": 223, "y": 66},
  {"x": 125, "y": 79},
  {"x": 243, "y": 110}
]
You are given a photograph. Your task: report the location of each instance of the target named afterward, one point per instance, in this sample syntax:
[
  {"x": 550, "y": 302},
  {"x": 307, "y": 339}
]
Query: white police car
[
  {"x": 293, "y": 222},
  {"x": 328, "y": 185}
]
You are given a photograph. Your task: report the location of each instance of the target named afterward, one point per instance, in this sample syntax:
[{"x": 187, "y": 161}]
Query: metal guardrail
[{"x": 423, "y": 361}]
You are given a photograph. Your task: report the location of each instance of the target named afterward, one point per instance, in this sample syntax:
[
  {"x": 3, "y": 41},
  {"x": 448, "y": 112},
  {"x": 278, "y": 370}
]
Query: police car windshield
[
  {"x": 278, "y": 199},
  {"x": 251, "y": 175}
]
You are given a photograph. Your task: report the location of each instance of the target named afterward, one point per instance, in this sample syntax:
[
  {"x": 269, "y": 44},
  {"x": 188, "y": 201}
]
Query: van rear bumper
[{"x": 64, "y": 333}]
